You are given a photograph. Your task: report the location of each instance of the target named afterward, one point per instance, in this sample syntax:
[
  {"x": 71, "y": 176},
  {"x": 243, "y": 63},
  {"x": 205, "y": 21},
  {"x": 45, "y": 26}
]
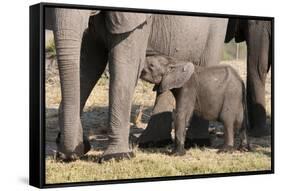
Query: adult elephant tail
[{"x": 236, "y": 30}]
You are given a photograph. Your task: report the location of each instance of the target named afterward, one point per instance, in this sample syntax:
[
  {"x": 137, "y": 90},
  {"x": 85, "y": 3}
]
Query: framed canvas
[{"x": 132, "y": 95}]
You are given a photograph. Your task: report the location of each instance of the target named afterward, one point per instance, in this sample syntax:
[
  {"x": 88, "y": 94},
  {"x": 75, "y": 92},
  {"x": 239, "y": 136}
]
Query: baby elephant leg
[
  {"x": 182, "y": 117},
  {"x": 242, "y": 127},
  {"x": 179, "y": 134},
  {"x": 244, "y": 144},
  {"x": 228, "y": 137}
]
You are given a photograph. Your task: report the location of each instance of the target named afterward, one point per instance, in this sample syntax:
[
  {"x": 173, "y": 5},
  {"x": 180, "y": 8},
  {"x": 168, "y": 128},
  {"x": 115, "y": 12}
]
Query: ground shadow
[{"x": 94, "y": 122}]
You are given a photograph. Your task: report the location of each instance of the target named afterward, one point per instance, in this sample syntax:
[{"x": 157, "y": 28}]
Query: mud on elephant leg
[
  {"x": 159, "y": 127},
  {"x": 126, "y": 60}
]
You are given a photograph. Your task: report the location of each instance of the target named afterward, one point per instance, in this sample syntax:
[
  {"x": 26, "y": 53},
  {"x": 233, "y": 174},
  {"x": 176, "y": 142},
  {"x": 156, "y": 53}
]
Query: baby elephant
[{"x": 214, "y": 93}]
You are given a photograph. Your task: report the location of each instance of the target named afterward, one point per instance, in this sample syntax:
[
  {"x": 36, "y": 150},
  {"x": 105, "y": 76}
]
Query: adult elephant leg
[
  {"x": 256, "y": 101},
  {"x": 68, "y": 29},
  {"x": 126, "y": 59},
  {"x": 92, "y": 64},
  {"x": 258, "y": 63},
  {"x": 158, "y": 130},
  {"x": 93, "y": 58}
]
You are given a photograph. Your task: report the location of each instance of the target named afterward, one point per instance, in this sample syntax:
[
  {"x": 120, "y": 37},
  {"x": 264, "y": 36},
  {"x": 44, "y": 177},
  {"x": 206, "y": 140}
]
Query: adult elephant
[
  {"x": 257, "y": 35},
  {"x": 121, "y": 38}
]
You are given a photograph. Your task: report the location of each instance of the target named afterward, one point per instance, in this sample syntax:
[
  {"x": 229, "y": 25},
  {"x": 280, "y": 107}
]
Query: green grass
[{"x": 157, "y": 163}]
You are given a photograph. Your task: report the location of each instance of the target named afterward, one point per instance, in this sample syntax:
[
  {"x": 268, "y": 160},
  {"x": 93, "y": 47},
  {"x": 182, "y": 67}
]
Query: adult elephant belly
[
  {"x": 196, "y": 39},
  {"x": 181, "y": 37}
]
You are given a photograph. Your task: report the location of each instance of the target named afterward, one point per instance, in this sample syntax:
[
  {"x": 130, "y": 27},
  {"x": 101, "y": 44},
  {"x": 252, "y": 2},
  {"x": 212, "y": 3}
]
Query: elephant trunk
[{"x": 68, "y": 29}]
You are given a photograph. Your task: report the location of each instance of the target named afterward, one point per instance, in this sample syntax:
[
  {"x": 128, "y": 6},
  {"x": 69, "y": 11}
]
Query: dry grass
[
  {"x": 149, "y": 162},
  {"x": 156, "y": 163}
]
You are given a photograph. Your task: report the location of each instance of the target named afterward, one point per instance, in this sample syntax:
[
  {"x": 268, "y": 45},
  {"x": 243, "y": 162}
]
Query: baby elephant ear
[{"x": 177, "y": 76}]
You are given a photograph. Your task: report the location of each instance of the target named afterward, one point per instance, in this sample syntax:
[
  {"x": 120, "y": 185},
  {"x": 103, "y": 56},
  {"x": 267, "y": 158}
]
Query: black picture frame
[{"x": 37, "y": 95}]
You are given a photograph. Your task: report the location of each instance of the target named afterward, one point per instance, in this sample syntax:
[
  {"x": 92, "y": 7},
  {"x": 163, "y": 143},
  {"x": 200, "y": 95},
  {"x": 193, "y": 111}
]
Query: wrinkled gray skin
[
  {"x": 215, "y": 93},
  {"x": 257, "y": 34},
  {"x": 124, "y": 47}
]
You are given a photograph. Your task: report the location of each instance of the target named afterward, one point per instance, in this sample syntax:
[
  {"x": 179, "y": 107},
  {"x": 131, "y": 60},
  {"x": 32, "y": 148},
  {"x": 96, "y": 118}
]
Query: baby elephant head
[{"x": 166, "y": 72}]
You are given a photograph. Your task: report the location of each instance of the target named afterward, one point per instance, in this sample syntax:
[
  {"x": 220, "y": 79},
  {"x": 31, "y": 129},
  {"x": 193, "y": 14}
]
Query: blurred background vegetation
[{"x": 234, "y": 51}]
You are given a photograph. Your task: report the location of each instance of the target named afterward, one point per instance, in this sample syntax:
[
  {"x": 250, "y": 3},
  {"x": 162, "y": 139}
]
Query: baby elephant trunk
[{"x": 146, "y": 75}]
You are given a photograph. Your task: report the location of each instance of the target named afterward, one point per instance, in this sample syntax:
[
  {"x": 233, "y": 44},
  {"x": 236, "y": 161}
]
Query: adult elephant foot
[
  {"x": 158, "y": 130},
  {"x": 80, "y": 150},
  {"x": 117, "y": 150},
  {"x": 197, "y": 134}
]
